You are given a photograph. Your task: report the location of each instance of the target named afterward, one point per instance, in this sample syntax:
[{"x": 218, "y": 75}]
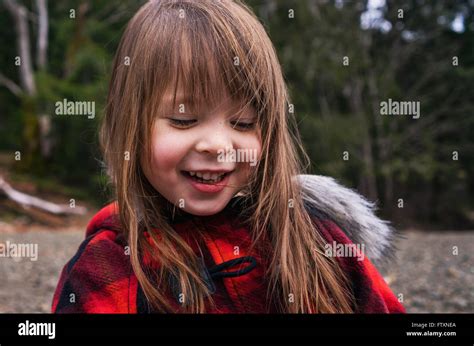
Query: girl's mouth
[
  {"x": 209, "y": 182},
  {"x": 206, "y": 177}
]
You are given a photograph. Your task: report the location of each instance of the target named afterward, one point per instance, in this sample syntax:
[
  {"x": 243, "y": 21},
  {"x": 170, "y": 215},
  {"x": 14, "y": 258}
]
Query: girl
[{"x": 198, "y": 225}]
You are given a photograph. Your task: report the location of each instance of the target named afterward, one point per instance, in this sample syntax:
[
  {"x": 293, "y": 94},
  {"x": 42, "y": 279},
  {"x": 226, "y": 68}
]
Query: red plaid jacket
[{"x": 99, "y": 278}]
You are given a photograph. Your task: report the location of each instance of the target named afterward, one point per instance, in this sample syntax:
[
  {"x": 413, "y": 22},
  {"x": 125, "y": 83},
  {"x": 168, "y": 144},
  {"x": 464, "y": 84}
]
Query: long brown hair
[{"x": 210, "y": 47}]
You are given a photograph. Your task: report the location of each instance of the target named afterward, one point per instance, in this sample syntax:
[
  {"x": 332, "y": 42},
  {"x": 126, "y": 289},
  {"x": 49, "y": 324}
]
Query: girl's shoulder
[
  {"x": 356, "y": 237},
  {"x": 98, "y": 277},
  {"x": 338, "y": 208},
  {"x": 105, "y": 218}
]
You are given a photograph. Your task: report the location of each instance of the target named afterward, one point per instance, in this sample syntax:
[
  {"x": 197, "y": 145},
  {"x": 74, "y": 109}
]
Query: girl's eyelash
[
  {"x": 188, "y": 122},
  {"x": 182, "y": 122},
  {"x": 243, "y": 125}
]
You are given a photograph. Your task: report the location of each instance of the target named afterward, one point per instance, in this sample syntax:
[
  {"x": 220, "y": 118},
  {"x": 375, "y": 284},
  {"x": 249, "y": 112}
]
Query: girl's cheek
[
  {"x": 252, "y": 143},
  {"x": 168, "y": 150}
]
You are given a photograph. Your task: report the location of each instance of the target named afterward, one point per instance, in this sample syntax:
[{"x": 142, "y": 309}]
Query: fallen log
[
  {"x": 37, "y": 215},
  {"x": 26, "y": 201}
]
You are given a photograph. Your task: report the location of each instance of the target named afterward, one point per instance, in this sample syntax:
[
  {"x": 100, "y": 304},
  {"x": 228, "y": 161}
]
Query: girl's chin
[{"x": 201, "y": 208}]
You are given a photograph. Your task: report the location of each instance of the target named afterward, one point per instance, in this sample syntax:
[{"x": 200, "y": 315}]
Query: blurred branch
[
  {"x": 118, "y": 14},
  {"x": 31, "y": 201},
  {"x": 10, "y": 85}
]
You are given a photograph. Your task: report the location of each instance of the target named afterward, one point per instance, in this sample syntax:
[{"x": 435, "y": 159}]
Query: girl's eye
[
  {"x": 243, "y": 125},
  {"x": 181, "y": 122}
]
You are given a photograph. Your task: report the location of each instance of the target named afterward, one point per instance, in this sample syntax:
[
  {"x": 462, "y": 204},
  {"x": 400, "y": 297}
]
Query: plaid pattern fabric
[{"x": 100, "y": 279}]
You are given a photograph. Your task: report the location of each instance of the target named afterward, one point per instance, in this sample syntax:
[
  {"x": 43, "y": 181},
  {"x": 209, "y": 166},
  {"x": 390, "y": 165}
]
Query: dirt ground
[
  {"x": 434, "y": 271},
  {"x": 429, "y": 277}
]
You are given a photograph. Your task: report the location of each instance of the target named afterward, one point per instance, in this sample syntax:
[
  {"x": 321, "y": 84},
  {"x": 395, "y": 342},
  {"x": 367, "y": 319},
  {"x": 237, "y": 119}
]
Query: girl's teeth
[{"x": 211, "y": 177}]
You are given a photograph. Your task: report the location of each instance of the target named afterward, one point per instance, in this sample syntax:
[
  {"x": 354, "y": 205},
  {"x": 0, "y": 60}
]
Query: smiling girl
[{"x": 190, "y": 232}]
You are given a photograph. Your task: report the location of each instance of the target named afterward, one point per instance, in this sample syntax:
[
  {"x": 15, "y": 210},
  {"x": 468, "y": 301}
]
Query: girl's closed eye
[
  {"x": 243, "y": 125},
  {"x": 182, "y": 123}
]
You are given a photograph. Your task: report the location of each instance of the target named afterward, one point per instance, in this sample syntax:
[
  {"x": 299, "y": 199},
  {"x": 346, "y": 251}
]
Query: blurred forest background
[{"x": 418, "y": 170}]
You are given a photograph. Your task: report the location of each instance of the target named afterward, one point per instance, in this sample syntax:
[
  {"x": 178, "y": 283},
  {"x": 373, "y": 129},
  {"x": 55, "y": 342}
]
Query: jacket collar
[{"x": 323, "y": 196}]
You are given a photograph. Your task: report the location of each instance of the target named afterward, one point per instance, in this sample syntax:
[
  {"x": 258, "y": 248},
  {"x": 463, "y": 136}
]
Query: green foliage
[{"x": 337, "y": 106}]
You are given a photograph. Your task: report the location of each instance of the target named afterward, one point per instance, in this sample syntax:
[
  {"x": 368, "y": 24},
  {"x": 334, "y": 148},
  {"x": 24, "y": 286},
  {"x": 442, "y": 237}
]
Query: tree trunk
[
  {"x": 42, "y": 43},
  {"x": 37, "y": 144},
  {"x": 19, "y": 13},
  {"x": 368, "y": 181}
]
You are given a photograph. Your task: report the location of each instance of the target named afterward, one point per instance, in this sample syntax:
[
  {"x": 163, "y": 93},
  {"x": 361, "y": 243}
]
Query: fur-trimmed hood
[{"x": 325, "y": 197}]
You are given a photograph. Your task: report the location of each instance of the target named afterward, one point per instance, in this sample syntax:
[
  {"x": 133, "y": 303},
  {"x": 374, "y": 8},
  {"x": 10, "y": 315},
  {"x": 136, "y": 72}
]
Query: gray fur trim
[{"x": 354, "y": 214}]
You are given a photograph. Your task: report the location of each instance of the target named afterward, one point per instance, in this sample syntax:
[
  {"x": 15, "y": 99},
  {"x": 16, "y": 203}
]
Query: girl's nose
[{"x": 214, "y": 141}]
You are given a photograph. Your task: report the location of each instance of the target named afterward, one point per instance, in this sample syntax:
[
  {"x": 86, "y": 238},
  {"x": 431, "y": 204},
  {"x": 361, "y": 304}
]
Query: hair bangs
[{"x": 204, "y": 61}]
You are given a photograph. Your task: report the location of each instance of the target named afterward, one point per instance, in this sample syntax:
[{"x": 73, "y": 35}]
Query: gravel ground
[
  {"x": 26, "y": 285},
  {"x": 431, "y": 276},
  {"x": 426, "y": 273}
]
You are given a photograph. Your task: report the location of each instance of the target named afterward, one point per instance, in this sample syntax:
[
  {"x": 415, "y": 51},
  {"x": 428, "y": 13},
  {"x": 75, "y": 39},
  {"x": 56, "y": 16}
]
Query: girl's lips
[{"x": 208, "y": 187}]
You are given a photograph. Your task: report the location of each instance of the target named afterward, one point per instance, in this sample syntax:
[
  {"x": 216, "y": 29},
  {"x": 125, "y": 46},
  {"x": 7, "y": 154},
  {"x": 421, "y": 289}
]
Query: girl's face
[{"x": 200, "y": 160}]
